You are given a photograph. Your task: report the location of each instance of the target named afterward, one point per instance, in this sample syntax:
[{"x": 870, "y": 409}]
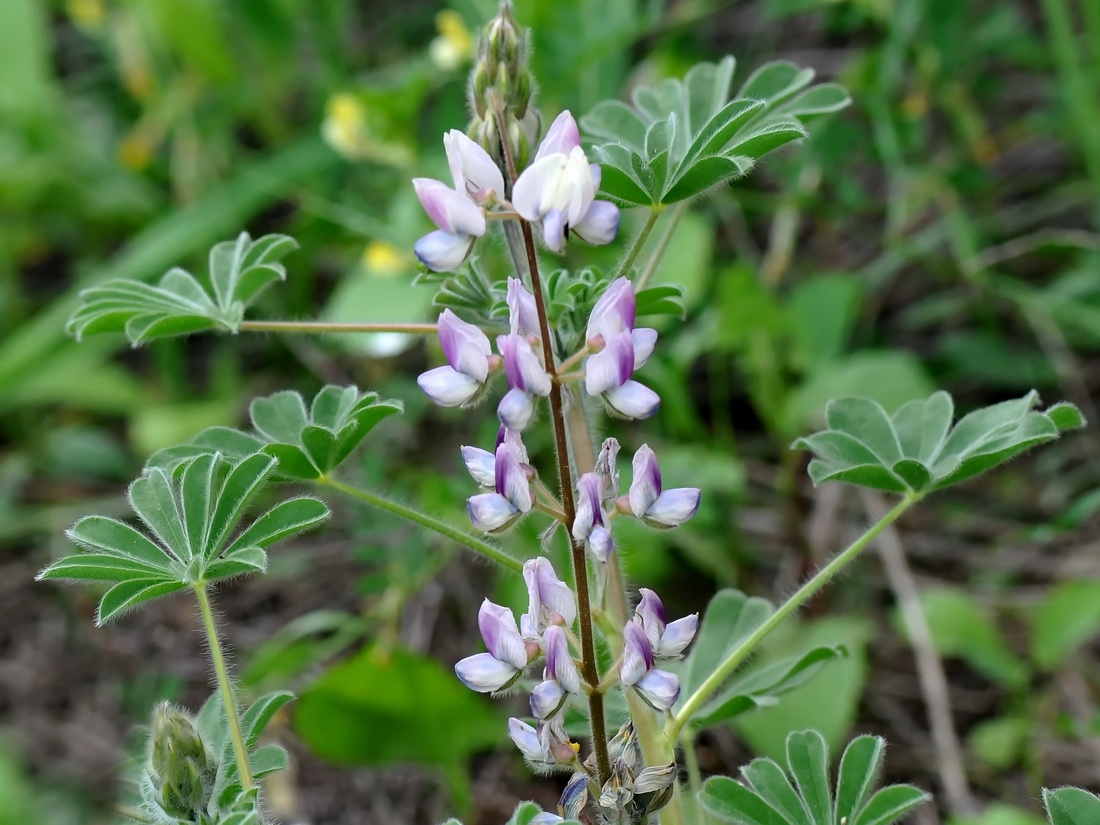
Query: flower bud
[
  {"x": 501, "y": 77},
  {"x": 179, "y": 766}
]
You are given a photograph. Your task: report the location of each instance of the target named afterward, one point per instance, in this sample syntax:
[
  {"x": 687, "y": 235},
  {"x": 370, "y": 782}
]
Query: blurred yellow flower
[
  {"x": 455, "y": 44},
  {"x": 135, "y": 151},
  {"x": 382, "y": 258},
  {"x": 87, "y": 14},
  {"x": 345, "y": 125}
]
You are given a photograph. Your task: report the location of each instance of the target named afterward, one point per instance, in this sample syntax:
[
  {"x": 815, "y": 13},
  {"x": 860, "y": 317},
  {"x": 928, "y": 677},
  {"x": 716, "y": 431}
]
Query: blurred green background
[{"x": 940, "y": 233}]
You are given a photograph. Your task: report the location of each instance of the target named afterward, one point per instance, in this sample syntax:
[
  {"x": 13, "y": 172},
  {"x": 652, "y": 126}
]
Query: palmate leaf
[
  {"x": 179, "y": 304},
  {"x": 916, "y": 450},
  {"x": 307, "y": 443},
  {"x": 802, "y": 793},
  {"x": 191, "y": 513},
  {"x": 682, "y": 137}
]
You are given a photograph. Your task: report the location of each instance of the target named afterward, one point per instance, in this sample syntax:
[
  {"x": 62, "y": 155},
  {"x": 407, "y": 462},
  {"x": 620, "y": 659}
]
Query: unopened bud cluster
[
  {"x": 179, "y": 766},
  {"x": 501, "y": 89}
]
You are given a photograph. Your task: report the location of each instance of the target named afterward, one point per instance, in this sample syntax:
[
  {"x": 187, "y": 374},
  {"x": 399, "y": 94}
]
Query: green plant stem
[
  {"x": 662, "y": 246},
  {"x": 695, "y": 776},
  {"x": 639, "y": 241},
  {"x": 222, "y": 674},
  {"x": 474, "y": 543},
  {"x": 326, "y": 328},
  {"x": 826, "y": 574}
]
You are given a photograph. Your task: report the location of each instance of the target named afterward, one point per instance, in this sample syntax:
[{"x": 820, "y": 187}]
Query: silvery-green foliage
[
  {"x": 1071, "y": 806},
  {"x": 307, "y": 443},
  {"x": 682, "y": 137},
  {"x": 203, "y": 741},
  {"x": 192, "y": 514},
  {"x": 180, "y": 304},
  {"x": 802, "y": 792},
  {"x": 916, "y": 450}
]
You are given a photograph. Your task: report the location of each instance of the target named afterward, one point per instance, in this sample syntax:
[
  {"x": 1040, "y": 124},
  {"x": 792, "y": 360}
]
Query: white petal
[
  {"x": 599, "y": 225},
  {"x": 562, "y": 136},
  {"x": 533, "y": 185},
  {"x": 546, "y": 698},
  {"x": 677, "y": 636},
  {"x": 600, "y": 543},
  {"x": 502, "y": 639},
  {"x": 443, "y": 251},
  {"x": 515, "y": 409},
  {"x": 491, "y": 512},
  {"x": 644, "y": 340},
  {"x": 673, "y": 507},
  {"x": 473, "y": 171},
  {"x": 659, "y": 688},
  {"x": 527, "y": 740},
  {"x": 484, "y": 673},
  {"x": 633, "y": 400},
  {"x": 481, "y": 465},
  {"x": 447, "y": 387},
  {"x": 465, "y": 346},
  {"x": 611, "y": 367},
  {"x": 614, "y": 311},
  {"x": 553, "y": 230}
]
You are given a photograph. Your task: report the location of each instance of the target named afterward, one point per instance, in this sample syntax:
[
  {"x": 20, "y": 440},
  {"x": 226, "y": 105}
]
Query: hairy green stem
[
  {"x": 130, "y": 812},
  {"x": 222, "y": 674},
  {"x": 695, "y": 776},
  {"x": 639, "y": 241},
  {"x": 326, "y": 328},
  {"x": 826, "y": 574},
  {"x": 478, "y": 545},
  {"x": 662, "y": 246}
]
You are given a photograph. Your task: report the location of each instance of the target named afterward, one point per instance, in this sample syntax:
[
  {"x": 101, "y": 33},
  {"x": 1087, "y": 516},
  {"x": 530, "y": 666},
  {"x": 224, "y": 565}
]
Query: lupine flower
[
  {"x": 457, "y": 212},
  {"x": 544, "y": 747},
  {"x": 658, "y": 688},
  {"x": 481, "y": 464},
  {"x": 550, "y": 601},
  {"x": 588, "y": 525},
  {"x": 665, "y": 640},
  {"x": 460, "y": 222},
  {"x": 607, "y": 374},
  {"x": 495, "y": 511},
  {"x": 523, "y": 315},
  {"x": 508, "y": 653},
  {"x": 657, "y": 508},
  {"x": 614, "y": 313},
  {"x": 558, "y": 190},
  {"x": 469, "y": 354},
  {"x": 526, "y": 378},
  {"x": 560, "y": 677}
]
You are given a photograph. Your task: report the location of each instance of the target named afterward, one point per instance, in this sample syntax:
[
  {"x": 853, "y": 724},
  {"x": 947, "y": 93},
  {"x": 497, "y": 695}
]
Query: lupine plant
[{"x": 616, "y": 689}]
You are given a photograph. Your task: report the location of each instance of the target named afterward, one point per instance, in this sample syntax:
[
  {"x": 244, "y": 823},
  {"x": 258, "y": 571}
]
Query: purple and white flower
[
  {"x": 527, "y": 379},
  {"x": 666, "y": 640},
  {"x": 545, "y": 747},
  {"x": 482, "y": 464},
  {"x": 654, "y": 506},
  {"x": 658, "y": 688},
  {"x": 614, "y": 314},
  {"x": 560, "y": 676},
  {"x": 458, "y": 211},
  {"x": 493, "y": 512},
  {"x": 471, "y": 359},
  {"x": 550, "y": 601},
  {"x": 590, "y": 525},
  {"x": 508, "y": 654},
  {"x": 558, "y": 190},
  {"x": 607, "y": 374}
]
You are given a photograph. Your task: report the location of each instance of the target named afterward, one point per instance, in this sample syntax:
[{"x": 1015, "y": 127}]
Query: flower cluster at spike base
[{"x": 556, "y": 193}]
